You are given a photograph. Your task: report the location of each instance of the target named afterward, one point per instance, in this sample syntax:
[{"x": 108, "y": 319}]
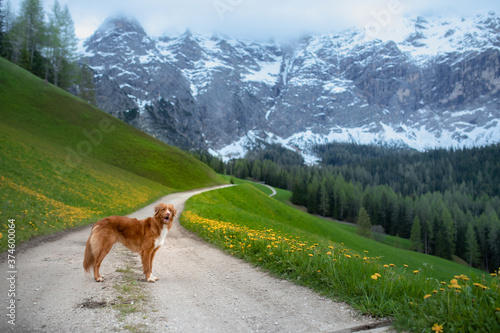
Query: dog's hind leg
[{"x": 99, "y": 255}]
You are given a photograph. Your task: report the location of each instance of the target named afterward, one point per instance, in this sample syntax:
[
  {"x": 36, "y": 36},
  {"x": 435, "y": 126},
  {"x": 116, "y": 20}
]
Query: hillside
[
  {"x": 332, "y": 259},
  {"x": 235, "y": 205},
  {"x": 65, "y": 163}
]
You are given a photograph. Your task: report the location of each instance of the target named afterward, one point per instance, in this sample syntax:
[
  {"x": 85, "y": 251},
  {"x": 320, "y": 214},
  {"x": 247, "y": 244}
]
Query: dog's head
[{"x": 165, "y": 212}]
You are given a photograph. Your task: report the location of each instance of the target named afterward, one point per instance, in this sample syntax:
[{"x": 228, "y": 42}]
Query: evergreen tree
[
  {"x": 313, "y": 195},
  {"x": 256, "y": 170},
  {"x": 364, "y": 224},
  {"x": 61, "y": 45},
  {"x": 472, "y": 253},
  {"x": 494, "y": 241},
  {"x": 450, "y": 229},
  {"x": 10, "y": 32},
  {"x": 1, "y": 28},
  {"x": 416, "y": 235},
  {"x": 68, "y": 50},
  {"x": 324, "y": 202},
  {"x": 31, "y": 20}
]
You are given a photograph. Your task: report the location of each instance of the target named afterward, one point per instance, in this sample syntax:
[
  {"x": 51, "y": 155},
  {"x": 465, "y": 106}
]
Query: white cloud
[{"x": 262, "y": 19}]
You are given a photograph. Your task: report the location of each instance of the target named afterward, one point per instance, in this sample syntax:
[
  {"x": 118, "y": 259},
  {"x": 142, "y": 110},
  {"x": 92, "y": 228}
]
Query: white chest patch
[{"x": 160, "y": 240}]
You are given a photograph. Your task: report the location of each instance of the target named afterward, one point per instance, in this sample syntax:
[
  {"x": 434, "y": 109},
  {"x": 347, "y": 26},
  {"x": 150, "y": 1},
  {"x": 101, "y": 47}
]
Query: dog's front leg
[
  {"x": 146, "y": 265},
  {"x": 151, "y": 263}
]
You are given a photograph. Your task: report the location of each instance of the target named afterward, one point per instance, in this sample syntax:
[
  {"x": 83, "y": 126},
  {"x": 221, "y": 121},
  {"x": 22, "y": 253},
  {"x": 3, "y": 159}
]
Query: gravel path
[{"x": 201, "y": 289}]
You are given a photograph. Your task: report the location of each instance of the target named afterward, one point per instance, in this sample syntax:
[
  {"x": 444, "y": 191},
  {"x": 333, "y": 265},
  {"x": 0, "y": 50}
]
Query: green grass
[
  {"x": 285, "y": 196},
  {"x": 330, "y": 258},
  {"x": 281, "y": 195},
  {"x": 65, "y": 163}
]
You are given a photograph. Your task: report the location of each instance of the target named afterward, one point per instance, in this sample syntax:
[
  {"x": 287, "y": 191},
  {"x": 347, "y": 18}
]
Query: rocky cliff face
[{"x": 428, "y": 84}]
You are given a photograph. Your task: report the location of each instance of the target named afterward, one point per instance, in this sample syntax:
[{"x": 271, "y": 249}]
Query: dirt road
[{"x": 201, "y": 289}]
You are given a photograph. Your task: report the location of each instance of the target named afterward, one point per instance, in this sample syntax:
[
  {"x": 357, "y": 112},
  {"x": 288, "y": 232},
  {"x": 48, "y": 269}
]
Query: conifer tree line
[
  {"x": 43, "y": 43},
  {"x": 446, "y": 202}
]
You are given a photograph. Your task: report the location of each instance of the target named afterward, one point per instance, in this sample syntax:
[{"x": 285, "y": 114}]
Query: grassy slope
[
  {"x": 120, "y": 171},
  {"x": 247, "y": 206},
  {"x": 420, "y": 293},
  {"x": 285, "y": 197},
  {"x": 43, "y": 110}
]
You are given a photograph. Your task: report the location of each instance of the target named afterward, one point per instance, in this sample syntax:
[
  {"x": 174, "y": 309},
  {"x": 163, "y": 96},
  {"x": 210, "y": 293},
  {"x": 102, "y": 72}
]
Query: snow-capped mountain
[{"x": 426, "y": 83}]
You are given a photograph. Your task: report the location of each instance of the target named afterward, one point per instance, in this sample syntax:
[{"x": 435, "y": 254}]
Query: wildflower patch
[{"x": 415, "y": 301}]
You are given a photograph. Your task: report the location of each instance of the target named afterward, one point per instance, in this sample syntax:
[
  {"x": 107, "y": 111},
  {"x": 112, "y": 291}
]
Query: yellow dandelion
[
  {"x": 415, "y": 272},
  {"x": 311, "y": 255},
  {"x": 374, "y": 277},
  {"x": 386, "y": 266},
  {"x": 427, "y": 296},
  {"x": 437, "y": 328}
]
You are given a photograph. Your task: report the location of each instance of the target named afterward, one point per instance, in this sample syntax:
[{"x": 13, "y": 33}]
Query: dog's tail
[{"x": 88, "y": 258}]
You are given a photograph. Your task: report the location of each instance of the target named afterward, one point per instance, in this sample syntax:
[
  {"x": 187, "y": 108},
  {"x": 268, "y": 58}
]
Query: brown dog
[{"x": 142, "y": 236}]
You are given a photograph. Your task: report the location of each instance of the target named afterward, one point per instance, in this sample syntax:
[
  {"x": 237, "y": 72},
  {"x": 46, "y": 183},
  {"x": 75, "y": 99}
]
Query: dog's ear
[
  {"x": 175, "y": 211},
  {"x": 157, "y": 209}
]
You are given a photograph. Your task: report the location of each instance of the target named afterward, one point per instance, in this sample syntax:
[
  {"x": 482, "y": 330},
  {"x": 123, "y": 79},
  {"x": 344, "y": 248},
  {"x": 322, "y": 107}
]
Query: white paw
[
  {"x": 99, "y": 279},
  {"x": 151, "y": 279}
]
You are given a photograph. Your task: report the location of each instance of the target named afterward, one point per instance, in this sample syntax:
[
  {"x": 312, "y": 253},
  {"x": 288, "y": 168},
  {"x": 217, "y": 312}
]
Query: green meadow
[
  {"x": 418, "y": 291},
  {"x": 65, "y": 163}
]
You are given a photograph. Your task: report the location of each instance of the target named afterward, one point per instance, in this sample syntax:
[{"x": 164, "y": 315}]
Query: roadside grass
[
  {"x": 285, "y": 196},
  {"x": 281, "y": 195},
  {"x": 419, "y": 292},
  {"x": 61, "y": 168}
]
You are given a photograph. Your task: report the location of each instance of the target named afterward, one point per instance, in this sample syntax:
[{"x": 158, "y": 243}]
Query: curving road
[{"x": 201, "y": 289}]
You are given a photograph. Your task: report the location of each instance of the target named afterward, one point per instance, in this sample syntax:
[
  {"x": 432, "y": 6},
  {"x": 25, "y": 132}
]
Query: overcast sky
[{"x": 259, "y": 19}]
